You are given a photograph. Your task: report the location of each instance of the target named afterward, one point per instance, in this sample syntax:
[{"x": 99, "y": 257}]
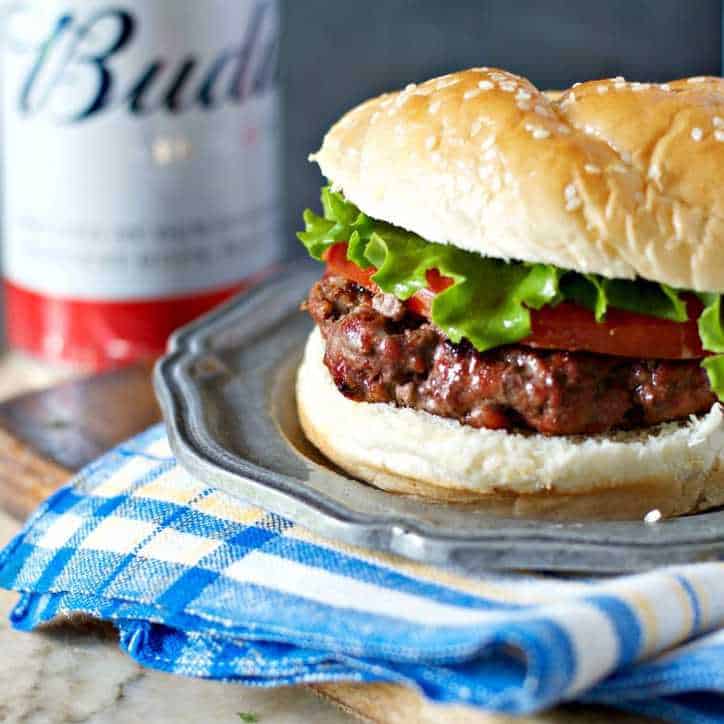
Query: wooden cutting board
[{"x": 48, "y": 435}]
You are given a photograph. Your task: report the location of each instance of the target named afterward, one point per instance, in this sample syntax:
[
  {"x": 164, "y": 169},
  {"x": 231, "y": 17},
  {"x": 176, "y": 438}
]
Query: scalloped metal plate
[{"x": 227, "y": 394}]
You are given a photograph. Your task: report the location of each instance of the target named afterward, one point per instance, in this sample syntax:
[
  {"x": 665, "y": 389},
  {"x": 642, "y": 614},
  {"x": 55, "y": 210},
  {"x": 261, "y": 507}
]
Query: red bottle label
[{"x": 97, "y": 335}]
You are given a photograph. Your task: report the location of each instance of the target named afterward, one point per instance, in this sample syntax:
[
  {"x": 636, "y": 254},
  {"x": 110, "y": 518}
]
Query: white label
[{"x": 141, "y": 146}]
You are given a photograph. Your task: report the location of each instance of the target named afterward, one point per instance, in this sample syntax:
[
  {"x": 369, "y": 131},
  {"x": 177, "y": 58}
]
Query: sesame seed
[
  {"x": 575, "y": 85},
  {"x": 619, "y": 84},
  {"x": 471, "y": 94},
  {"x": 508, "y": 86},
  {"x": 719, "y": 135},
  {"x": 375, "y": 117},
  {"x": 410, "y": 87},
  {"x": 620, "y": 79},
  {"x": 592, "y": 168},
  {"x": 626, "y": 156},
  {"x": 589, "y": 130},
  {"x": 446, "y": 83},
  {"x": 477, "y": 124},
  {"x": 697, "y": 134},
  {"x": 543, "y": 111},
  {"x": 618, "y": 168},
  {"x": 665, "y": 87},
  {"x": 573, "y": 204},
  {"x": 522, "y": 95},
  {"x": 540, "y": 133},
  {"x": 485, "y": 85},
  {"x": 564, "y": 130},
  {"x": 698, "y": 79},
  {"x": 573, "y": 201},
  {"x": 498, "y": 76},
  {"x": 434, "y": 107},
  {"x": 523, "y": 105},
  {"x": 653, "y": 516},
  {"x": 655, "y": 172},
  {"x": 601, "y": 89},
  {"x": 718, "y": 122}
]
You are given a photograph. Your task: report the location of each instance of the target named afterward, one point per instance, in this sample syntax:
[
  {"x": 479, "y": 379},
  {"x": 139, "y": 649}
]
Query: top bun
[{"x": 615, "y": 178}]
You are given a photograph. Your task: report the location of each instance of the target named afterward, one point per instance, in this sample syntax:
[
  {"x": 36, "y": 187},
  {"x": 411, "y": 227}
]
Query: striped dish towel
[{"x": 201, "y": 584}]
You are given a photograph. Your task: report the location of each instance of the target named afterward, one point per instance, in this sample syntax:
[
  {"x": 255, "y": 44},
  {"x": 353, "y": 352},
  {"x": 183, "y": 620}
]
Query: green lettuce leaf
[
  {"x": 711, "y": 333},
  {"x": 501, "y": 293},
  {"x": 598, "y": 294},
  {"x": 490, "y": 300},
  {"x": 342, "y": 221},
  {"x": 714, "y": 367}
]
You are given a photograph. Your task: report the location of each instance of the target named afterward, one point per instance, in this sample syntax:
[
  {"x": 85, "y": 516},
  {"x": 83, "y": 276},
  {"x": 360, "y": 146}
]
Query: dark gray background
[{"x": 336, "y": 54}]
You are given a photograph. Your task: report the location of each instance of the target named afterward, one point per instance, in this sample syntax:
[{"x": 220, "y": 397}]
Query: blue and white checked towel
[{"x": 203, "y": 585}]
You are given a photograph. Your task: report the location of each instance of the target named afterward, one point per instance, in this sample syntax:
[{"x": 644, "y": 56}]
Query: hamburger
[{"x": 522, "y": 294}]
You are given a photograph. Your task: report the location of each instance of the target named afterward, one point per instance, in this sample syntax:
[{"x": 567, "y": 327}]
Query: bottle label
[{"x": 141, "y": 146}]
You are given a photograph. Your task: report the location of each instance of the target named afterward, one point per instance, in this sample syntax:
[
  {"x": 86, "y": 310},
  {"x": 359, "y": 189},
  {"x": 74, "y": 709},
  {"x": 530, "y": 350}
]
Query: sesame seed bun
[
  {"x": 674, "y": 468},
  {"x": 610, "y": 177}
]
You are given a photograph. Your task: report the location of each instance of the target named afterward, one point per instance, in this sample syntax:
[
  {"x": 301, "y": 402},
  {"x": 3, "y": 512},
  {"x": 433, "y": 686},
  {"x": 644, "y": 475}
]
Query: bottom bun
[{"x": 675, "y": 468}]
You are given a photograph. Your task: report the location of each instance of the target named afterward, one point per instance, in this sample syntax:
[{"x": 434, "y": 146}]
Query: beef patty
[{"x": 376, "y": 351}]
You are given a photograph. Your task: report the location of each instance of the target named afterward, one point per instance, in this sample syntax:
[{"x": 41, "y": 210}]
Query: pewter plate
[{"x": 226, "y": 388}]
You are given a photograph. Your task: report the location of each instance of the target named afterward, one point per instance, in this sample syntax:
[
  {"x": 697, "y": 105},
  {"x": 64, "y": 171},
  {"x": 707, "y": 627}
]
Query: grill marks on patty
[{"x": 377, "y": 352}]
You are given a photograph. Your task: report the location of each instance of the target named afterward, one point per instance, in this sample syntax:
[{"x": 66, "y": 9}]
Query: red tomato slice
[
  {"x": 566, "y": 326},
  {"x": 625, "y": 334},
  {"x": 338, "y": 263}
]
